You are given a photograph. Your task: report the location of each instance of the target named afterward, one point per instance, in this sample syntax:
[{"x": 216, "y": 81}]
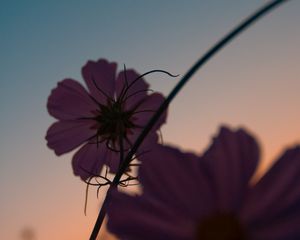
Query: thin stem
[
  {"x": 102, "y": 212},
  {"x": 140, "y": 77},
  {"x": 208, "y": 55},
  {"x": 100, "y": 218}
]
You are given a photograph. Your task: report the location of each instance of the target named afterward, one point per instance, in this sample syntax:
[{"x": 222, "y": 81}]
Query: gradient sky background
[{"x": 253, "y": 82}]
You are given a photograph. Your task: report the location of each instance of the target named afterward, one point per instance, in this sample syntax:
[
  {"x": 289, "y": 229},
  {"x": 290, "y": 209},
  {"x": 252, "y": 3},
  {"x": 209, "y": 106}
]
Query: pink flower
[
  {"x": 209, "y": 197},
  {"x": 113, "y": 108}
]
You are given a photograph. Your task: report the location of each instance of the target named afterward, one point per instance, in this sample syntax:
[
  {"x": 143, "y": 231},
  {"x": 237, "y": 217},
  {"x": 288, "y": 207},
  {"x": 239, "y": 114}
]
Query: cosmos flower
[
  {"x": 105, "y": 119},
  {"x": 209, "y": 197}
]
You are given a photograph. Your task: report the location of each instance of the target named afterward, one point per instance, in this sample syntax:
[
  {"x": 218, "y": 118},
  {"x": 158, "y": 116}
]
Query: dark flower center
[
  {"x": 220, "y": 227},
  {"x": 114, "y": 122}
]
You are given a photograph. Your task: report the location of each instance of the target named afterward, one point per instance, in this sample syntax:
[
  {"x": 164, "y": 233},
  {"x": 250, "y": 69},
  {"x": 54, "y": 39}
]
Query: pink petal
[
  {"x": 132, "y": 217},
  {"x": 104, "y": 74},
  {"x": 146, "y": 110},
  {"x": 176, "y": 179},
  {"x": 136, "y": 92},
  {"x": 273, "y": 204},
  {"x": 64, "y": 136},
  {"x": 231, "y": 161},
  {"x": 69, "y": 100},
  {"x": 89, "y": 160}
]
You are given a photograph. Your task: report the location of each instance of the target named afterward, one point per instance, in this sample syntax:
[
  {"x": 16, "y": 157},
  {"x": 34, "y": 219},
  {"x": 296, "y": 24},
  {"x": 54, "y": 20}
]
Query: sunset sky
[{"x": 253, "y": 82}]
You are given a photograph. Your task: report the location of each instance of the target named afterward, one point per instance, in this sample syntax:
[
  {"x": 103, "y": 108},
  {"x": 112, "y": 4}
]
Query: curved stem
[
  {"x": 208, "y": 55},
  {"x": 102, "y": 212}
]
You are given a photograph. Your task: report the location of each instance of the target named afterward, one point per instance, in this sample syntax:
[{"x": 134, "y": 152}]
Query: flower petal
[
  {"x": 140, "y": 119},
  {"x": 89, "y": 160},
  {"x": 177, "y": 180},
  {"x": 146, "y": 110},
  {"x": 133, "y": 217},
  {"x": 273, "y": 204},
  {"x": 135, "y": 90},
  {"x": 104, "y": 74},
  {"x": 69, "y": 100},
  {"x": 283, "y": 228},
  {"x": 64, "y": 136},
  {"x": 146, "y": 145},
  {"x": 231, "y": 161}
]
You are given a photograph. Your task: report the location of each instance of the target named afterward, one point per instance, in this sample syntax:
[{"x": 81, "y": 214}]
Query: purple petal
[
  {"x": 135, "y": 91},
  {"x": 104, "y": 74},
  {"x": 132, "y": 217},
  {"x": 69, "y": 100},
  {"x": 146, "y": 145},
  {"x": 64, "y": 136},
  {"x": 146, "y": 110},
  {"x": 231, "y": 161},
  {"x": 89, "y": 160},
  {"x": 177, "y": 180},
  {"x": 273, "y": 204},
  {"x": 112, "y": 160},
  {"x": 281, "y": 228}
]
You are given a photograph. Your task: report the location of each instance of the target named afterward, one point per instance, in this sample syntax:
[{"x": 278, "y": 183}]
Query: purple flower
[
  {"x": 209, "y": 197},
  {"x": 115, "y": 108}
]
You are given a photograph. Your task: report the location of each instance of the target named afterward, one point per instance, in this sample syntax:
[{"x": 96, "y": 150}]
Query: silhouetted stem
[
  {"x": 208, "y": 55},
  {"x": 100, "y": 218}
]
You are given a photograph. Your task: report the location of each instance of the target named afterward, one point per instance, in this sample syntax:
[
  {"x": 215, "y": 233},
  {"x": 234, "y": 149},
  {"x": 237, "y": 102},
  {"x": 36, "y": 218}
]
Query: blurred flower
[
  {"x": 209, "y": 197},
  {"x": 27, "y": 234},
  {"x": 114, "y": 108}
]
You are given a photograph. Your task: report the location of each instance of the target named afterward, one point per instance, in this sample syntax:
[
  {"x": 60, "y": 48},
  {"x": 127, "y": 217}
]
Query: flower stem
[
  {"x": 105, "y": 202},
  {"x": 208, "y": 55},
  {"x": 100, "y": 218}
]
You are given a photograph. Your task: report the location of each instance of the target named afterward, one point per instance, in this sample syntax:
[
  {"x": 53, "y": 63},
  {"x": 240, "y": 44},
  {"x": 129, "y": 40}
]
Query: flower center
[
  {"x": 113, "y": 121},
  {"x": 221, "y": 227}
]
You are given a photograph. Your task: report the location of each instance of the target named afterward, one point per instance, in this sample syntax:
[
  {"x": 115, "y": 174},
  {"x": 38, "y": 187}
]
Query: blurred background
[{"x": 253, "y": 82}]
